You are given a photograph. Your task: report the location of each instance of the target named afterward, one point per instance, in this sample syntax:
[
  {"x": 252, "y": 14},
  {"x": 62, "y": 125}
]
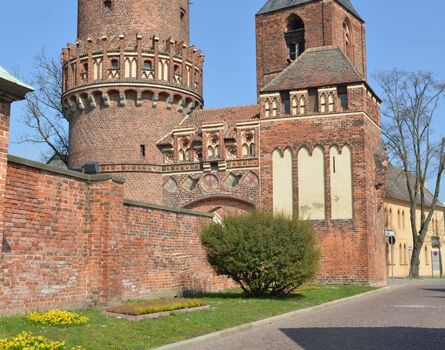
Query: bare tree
[
  {"x": 43, "y": 112},
  {"x": 410, "y": 102}
]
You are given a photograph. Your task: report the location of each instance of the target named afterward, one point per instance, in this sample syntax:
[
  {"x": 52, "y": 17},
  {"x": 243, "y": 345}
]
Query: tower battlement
[{"x": 110, "y": 61}]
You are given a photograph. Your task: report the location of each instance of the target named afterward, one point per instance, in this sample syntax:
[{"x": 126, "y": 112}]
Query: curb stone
[{"x": 229, "y": 331}]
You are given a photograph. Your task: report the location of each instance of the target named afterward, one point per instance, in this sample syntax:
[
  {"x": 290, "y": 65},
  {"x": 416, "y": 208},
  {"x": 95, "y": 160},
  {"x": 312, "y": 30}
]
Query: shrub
[
  {"x": 57, "y": 318},
  {"x": 26, "y": 341},
  {"x": 263, "y": 253}
]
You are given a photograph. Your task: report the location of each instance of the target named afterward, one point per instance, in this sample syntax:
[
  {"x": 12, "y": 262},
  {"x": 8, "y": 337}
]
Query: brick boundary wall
[{"x": 74, "y": 241}]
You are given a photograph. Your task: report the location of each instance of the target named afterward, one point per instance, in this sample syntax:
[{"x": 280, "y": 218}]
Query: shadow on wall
[
  {"x": 367, "y": 338},
  {"x": 5, "y": 245}
]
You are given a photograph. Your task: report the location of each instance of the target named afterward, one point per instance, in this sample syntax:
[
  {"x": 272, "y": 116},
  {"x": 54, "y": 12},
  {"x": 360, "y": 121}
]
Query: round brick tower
[{"x": 129, "y": 80}]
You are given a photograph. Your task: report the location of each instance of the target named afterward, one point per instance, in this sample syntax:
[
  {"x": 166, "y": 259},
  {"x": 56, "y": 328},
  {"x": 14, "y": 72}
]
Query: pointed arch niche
[
  {"x": 282, "y": 183},
  {"x": 311, "y": 192},
  {"x": 341, "y": 183}
]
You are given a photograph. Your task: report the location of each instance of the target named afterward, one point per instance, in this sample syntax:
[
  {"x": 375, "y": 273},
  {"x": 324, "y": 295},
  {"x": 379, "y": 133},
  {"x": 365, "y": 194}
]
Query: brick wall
[
  {"x": 167, "y": 248},
  {"x": 73, "y": 243},
  {"x": 46, "y": 231},
  {"x": 352, "y": 250}
]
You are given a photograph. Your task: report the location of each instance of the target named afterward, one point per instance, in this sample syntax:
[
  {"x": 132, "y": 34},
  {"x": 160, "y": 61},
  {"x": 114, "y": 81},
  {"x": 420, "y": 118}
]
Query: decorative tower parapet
[
  {"x": 125, "y": 63},
  {"x": 129, "y": 79}
]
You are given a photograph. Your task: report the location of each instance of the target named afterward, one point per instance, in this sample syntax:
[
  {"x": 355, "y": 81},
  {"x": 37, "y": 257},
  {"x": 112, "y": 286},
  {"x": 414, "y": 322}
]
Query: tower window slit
[
  {"x": 142, "y": 150},
  {"x": 147, "y": 65},
  {"x": 114, "y": 64},
  {"x": 108, "y": 4}
]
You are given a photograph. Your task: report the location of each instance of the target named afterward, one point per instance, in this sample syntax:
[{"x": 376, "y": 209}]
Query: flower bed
[
  {"x": 57, "y": 318},
  {"x": 155, "y": 306},
  {"x": 136, "y": 311},
  {"x": 26, "y": 341}
]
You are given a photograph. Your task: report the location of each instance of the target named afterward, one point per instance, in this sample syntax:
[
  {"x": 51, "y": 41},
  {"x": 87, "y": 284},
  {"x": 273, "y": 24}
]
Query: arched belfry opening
[
  {"x": 347, "y": 38},
  {"x": 294, "y": 36}
]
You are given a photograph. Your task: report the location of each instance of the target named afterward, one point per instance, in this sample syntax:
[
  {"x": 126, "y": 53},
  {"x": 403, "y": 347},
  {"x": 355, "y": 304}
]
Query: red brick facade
[
  {"x": 74, "y": 241},
  {"x": 133, "y": 94}
]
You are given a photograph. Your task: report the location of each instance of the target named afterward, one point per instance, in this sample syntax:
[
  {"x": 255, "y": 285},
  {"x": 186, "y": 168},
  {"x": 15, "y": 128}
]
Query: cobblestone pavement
[{"x": 408, "y": 317}]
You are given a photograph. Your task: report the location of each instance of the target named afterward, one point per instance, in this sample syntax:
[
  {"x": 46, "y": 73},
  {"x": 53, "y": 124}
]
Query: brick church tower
[
  {"x": 130, "y": 78},
  {"x": 321, "y": 151}
]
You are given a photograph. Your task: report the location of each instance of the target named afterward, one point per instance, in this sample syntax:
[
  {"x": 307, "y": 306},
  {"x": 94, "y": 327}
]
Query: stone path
[{"x": 407, "y": 317}]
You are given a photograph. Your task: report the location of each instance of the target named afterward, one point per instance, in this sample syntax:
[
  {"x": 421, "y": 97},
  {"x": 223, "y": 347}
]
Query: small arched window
[
  {"x": 182, "y": 16},
  {"x": 390, "y": 218},
  {"x": 331, "y": 100},
  {"x": 427, "y": 260},
  {"x": 245, "y": 150},
  {"x": 267, "y": 108},
  {"x": 347, "y": 37},
  {"x": 148, "y": 65},
  {"x": 108, "y": 4},
  {"x": 294, "y": 36},
  {"x": 210, "y": 152},
  {"x": 399, "y": 225},
  {"x": 386, "y": 217},
  {"x": 115, "y": 64},
  {"x": 323, "y": 103},
  {"x": 294, "y": 106},
  {"x": 302, "y": 105},
  {"x": 403, "y": 219},
  {"x": 252, "y": 150},
  {"x": 400, "y": 254},
  {"x": 274, "y": 107},
  {"x": 248, "y": 149}
]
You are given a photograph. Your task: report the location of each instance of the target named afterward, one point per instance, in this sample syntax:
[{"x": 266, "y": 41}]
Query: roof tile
[
  {"x": 320, "y": 66},
  {"x": 274, "y": 5}
]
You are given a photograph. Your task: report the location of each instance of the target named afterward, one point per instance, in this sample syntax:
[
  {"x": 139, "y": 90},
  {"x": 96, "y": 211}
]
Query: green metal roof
[{"x": 11, "y": 88}]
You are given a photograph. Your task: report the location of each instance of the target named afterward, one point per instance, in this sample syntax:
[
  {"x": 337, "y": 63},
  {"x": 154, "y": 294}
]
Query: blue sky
[{"x": 400, "y": 33}]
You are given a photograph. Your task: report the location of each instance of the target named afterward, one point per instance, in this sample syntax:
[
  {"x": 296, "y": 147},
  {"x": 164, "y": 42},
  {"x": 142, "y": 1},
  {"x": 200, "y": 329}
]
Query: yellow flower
[{"x": 57, "y": 318}]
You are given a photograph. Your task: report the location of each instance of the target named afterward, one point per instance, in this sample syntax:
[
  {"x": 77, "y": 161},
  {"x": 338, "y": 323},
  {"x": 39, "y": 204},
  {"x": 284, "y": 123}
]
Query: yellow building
[{"x": 397, "y": 219}]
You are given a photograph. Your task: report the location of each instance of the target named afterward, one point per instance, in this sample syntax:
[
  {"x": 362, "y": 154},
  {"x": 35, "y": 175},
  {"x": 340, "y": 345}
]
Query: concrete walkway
[{"x": 410, "y": 316}]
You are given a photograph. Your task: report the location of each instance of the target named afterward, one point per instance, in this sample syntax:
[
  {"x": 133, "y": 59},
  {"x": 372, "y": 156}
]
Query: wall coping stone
[
  {"x": 170, "y": 209},
  {"x": 67, "y": 172}
]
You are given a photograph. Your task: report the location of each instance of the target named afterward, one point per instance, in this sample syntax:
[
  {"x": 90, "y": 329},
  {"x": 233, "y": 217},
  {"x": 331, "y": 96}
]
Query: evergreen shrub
[{"x": 263, "y": 253}]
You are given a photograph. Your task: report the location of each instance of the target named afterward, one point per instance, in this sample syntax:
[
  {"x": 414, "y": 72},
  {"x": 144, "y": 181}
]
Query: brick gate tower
[{"x": 130, "y": 78}]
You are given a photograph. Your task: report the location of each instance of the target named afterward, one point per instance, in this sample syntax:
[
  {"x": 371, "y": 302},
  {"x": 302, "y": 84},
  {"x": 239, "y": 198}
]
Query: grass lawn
[{"x": 229, "y": 309}]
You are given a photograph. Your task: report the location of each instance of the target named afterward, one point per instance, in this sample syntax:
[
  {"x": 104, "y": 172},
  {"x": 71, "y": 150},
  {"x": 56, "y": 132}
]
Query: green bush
[{"x": 263, "y": 253}]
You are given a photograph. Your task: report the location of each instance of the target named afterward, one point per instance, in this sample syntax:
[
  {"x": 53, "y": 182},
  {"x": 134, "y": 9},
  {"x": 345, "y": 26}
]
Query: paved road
[{"x": 407, "y": 317}]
